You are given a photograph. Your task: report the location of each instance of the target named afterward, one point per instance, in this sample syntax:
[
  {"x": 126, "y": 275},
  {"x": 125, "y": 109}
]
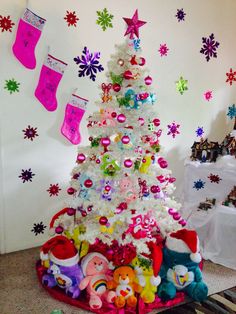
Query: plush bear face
[
  {"x": 124, "y": 275},
  {"x": 172, "y": 258},
  {"x": 96, "y": 266}
]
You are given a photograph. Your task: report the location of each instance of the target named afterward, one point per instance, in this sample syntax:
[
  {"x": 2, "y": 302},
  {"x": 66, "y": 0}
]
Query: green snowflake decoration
[
  {"x": 181, "y": 85},
  {"x": 104, "y": 19},
  {"x": 12, "y": 86}
]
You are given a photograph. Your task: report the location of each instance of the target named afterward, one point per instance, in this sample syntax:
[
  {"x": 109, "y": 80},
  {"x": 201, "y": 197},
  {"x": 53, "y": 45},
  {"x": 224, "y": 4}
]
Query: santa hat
[
  {"x": 156, "y": 257},
  {"x": 185, "y": 241},
  {"x": 87, "y": 258},
  {"x": 60, "y": 250},
  {"x": 65, "y": 211}
]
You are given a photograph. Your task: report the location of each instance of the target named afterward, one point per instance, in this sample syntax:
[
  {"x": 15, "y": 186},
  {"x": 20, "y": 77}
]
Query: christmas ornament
[
  {"x": 88, "y": 183},
  {"x": 59, "y": 230},
  {"x": 107, "y": 115},
  {"x": 89, "y": 64},
  {"x": 81, "y": 158},
  {"x": 103, "y": 220},
  {"x": 104, "y": 19},
  {"x": 120, "y": 62},
  {"x": 145, "y": 164},
  {"x": 116, "y": 87},
  {"x": 163, "y": 50},
  {"x": 136, "y": 44},
  {"x": 26, "y": 175},
  {"x": 181, "y": 85},
  {"x": 50, "y": 76},
  {"x": 121, "y": 207},
  {"x": 128, "y": 75},
  {"x": 105, "y": 141},
  {"x": 106, "y": 189},
  {"x": 28, "y": 33},
  {"x": 71, "y": 191},
  {"x": 125, "y": 139},
  {"x": 128, "y": 163},
  {"x": 121, "y": 118},
  {"x": 180, "y": 15},
  {"x": 156, "y": 122},
  {"x": 6, "y": 23},
  {"x": 137, "y": 61},
  {"x": 12, "y": 86},
  {"x": 209, "y": 47},
  {"x": 133, "y": 25},
  {"x": 30, "y": 133},
  {"x": 106, "y": 89},
  {"x": 74, "y": 113},
  {"x": 71, "y": 18},
  {"x": 231, "y": 76},
  {"x": 53, "y": 190},
  {"x": 143, "y": 188},
  {"x": 116, "y": 79},
  {"x": 173, "y": 129},
  {"x": 38, "y": 228},
  {"x": 148, "y": 80}
]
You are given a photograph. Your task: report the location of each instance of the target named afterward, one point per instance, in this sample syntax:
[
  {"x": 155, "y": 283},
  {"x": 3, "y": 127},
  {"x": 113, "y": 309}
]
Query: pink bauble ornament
[
  {"x": 107, "y": 188},
  {"x": 172, "y": 180},
  {"x": 125, "y": 139},
  {"x": 70, "y": 211},
  {"x": 113, "y": 114},
  {"x": 90, "y": 208},
  {"x": 98, "y": 161},
  {"x": 148, "y": 80},
  {"x": 59, "y": 229},
  {"x": 83, "y": 213},
  {"x": 116, "y": 87},
  {"x": 70, "y": 191},
  {"x": 143, "y": 160},
  {"x": 88, "y": 183},
  {"x": 128, "y": 163},
  {"x": 171, "y": 211},
  {"x": 103, "y": 220},
  {"x": 121, "y": 118},
  {"x": 105, "y": 141},
  {"x": 182, "y": 222},
  {"x": 128, "y": 75},
  {"x": 156, "y": 122},
  {"x": 155, "y": 189},
  {"x": 141, "y": 121},
  {"x": 163, "y": 164},
  {"x": 176, "y": 216},
  {"x": 81, "y": 158}
]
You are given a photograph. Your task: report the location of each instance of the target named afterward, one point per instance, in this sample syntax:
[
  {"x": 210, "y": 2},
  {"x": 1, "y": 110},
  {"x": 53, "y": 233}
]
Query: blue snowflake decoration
[
  {"x": 232, "y": 111},
  {"x": 26, "y": 175},
  {"x": 209, "y": 47},
  {"x": 199, "y": 184},
  {"x": 180, "y": 15},
  {"x": 199, "y": 131},
  {"x": 89, "y": 64},
  {"x": 136, "y": 43}
]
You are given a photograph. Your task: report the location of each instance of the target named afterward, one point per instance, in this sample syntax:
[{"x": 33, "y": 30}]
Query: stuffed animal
[
  {"x": 63, "y": 270},
  {"x": 95, "y": 268},
  {"x": 180, "y": 270},
  {"x": 124, "y": 284},
  {"x": 109, "y": 165},
  {"x": 145, "y": 164},
  {"x": 147, "y": 270}
]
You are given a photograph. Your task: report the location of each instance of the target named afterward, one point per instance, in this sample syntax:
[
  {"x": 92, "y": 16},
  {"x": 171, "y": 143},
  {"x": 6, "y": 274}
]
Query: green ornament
[
  {"x": 124, "y": 101},
  {"x": 95, "y": 141},
  {"x": 116, "y": 79},
  {"x": 137, "y": 164},
  {"x": 181, "y": 85}
]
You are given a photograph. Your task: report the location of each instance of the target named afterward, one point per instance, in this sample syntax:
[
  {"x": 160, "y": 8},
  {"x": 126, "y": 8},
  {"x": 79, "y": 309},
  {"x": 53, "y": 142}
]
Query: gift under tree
[{"x": 121, "y": 209}]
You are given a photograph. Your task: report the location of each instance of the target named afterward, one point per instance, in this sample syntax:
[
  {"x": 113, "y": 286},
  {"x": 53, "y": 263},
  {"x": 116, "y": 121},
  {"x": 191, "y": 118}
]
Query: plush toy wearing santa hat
[
  {"x": 63, "y": 270},
  {"x": 180, "y": 270}
]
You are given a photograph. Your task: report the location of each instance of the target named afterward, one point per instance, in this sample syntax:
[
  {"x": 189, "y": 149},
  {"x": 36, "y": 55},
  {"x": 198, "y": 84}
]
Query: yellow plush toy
[
  {"x": 82, "y": 246},
  {"x": 145, "y": 165},
  {"x": 146, "y": 279}
]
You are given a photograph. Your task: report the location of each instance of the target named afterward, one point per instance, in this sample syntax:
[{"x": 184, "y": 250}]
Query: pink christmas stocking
[
  {"x": 73, "y": 115},
  {"x": 28, "y": 33},
  {"x": 50, "y": 76}
]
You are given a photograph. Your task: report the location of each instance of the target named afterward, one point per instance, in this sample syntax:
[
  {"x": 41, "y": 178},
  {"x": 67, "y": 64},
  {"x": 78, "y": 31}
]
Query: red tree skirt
[{"x": 107, "y": 308}]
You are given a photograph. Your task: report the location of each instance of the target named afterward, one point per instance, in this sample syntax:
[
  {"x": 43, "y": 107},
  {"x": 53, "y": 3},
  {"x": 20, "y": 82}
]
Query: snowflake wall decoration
[
  {"x": 53, "y": 190},
  {"x": 208, "y": 95},
  {"x": 231, "y": 76},
  {"x": 209, "y": 47},
  {"x": 199, "y": 184},
  {"x": 180, "y": 15},
  {"x": 214, "y": 178},
  {"x": 12, "y": 86},
  {"x": 6, "y": 23},
  {"x": 199, "y": 131},
  {"x": 38, "y": 228},
  {"x": 89, "y": 64},
  {"x": 163, "y": 50},
  {"x": 26, "y": 175},
  {"x": 173, "y": 129},
  {"x": 232, "y": 111},
  {"x": 71, "y": 18},
  {"x": 181, "y": 85},
  {"x": 30, "y": 133},
  {"x": 104, "y": 19}
]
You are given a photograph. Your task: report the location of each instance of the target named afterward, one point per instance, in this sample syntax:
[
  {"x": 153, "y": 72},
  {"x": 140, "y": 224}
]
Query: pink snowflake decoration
[
  {"x": 163, "y": 50},
  {"x": 54, "y": 189},
  {"x": 208, "y": 95},
  {"x": 173, "y": 129}
]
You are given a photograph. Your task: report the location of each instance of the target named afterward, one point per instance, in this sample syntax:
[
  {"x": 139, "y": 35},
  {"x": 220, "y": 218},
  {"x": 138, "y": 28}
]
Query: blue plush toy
[{"x": 180, "y": 270}]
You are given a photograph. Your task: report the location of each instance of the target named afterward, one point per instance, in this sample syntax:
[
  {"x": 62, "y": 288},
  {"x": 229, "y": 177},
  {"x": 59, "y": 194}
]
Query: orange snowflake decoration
[
  {"x": 231, "y": 76},
  {"x": 71, "y": 18},
  {"x": 6, "y": 23}
]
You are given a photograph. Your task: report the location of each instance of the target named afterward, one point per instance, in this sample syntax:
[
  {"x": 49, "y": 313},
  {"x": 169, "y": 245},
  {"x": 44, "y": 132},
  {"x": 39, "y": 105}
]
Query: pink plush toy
[{"x": 95, "y": 268}]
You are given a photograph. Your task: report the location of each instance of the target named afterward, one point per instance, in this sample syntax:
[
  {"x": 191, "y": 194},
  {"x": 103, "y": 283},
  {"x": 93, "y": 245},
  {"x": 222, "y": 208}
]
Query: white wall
[{"x": 50, "y": 156}]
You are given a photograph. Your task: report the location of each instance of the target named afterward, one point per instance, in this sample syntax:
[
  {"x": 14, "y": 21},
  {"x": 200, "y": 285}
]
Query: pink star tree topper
[{"x": 133, "y": 25}]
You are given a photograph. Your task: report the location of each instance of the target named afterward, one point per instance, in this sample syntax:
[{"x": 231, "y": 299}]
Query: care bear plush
[
  {"x": 125, "y": 286},
  {"x": 95, "y": 267},
  {"x": 63, "y": 270},
  {"x": 180, "y": 270}
]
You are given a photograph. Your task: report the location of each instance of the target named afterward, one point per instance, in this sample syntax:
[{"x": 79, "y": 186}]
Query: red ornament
[
  {"x": 105, "y": 141},
  {"x": 141, "y": 121},
  {"x": 155, "y": 189},
  {"x": 148, "y": 80},
  {"x": 142, "y": 61},
  {"x": 71, "y": 191},
  {"x": 114, "y": 114},
  {"x": 98, "y": 161},
  {"x": 128, "y": 163},
  {"x": 116, "y": 87},
  {"x": 163, "y": 164},
  {"x": 76, "y": 176},
  {"x": 156, "y": 122},
  {"x": 125, "y": 139},
  {"x": 107, "y": 188},
  {"x": 176, "y": 216},
  {"x": 70, "y": 211},
  {"x": 88, "y": 183},
  {"x": 81, "y": 158},
  {"x": 59, "y": 229},
  {"x": 103, "y": 220},
  {"x": 121, "y": 118},
  {"x": 83, "y": 213},
  {"x": 128, "y": 75}
]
